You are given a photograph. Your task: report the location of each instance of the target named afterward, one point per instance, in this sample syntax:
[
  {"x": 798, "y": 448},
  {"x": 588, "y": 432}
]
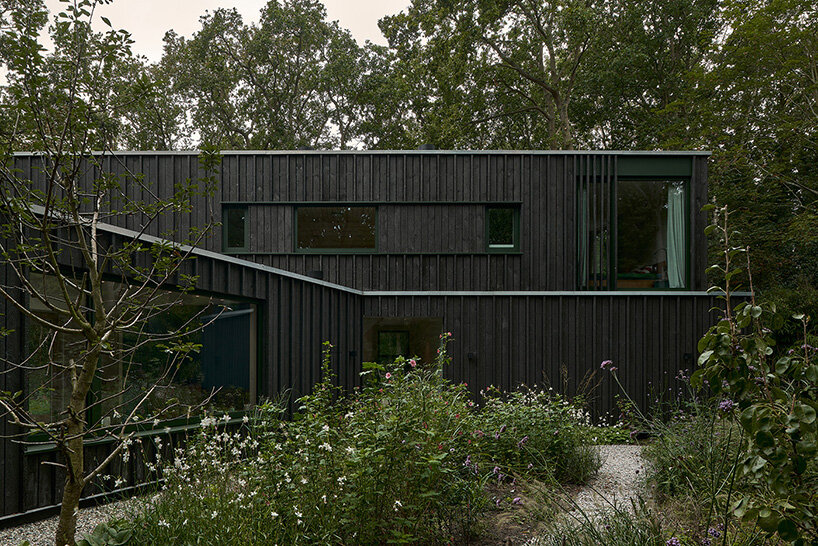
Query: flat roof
[{"x": 402, "y": 152}]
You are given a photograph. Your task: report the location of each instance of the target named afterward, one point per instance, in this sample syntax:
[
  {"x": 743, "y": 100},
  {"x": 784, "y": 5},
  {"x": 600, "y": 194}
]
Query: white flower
[
  {"x": 325, "y": 446},
  {"x": 325, "y": 428},
  {"x": 225, "y": 417},
  {"x": 275, "y": 514},
  {"x": 304, "y": 481},
  {"x": 214, "y": 514},
  {"x": 350, "y": 449},
  {"x": 397, "y": 505},
  {"x": 163, "y": 523},
  {"x": 245, "y": 419}
]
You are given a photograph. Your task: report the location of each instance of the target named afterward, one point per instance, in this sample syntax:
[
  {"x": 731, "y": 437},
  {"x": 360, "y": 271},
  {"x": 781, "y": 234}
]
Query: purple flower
[
  {"x": 517, "y": 500},
  {"x": 713, "y": 532},
  {"x": 726, "y": 406},
  {"x": 673, "y": 541},
  {"x": 606, "y": 364},
  {"x": 522, "y": 442},
  {"x": 499, "y": 432}
]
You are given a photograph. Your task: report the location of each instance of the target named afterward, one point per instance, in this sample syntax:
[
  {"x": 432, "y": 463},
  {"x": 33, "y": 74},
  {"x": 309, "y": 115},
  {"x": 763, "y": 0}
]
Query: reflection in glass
[
  {"x": 501, "y": 227},
  {"x": 392, "y": 344},
  {"x": 336, "y": 228},
  {"x": 217, "y": 371},
  {"x": 651, "y": 234},
  {"x": 235, "y": 224}
]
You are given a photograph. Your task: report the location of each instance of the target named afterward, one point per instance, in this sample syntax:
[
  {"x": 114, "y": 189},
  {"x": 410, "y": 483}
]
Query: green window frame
[
  {"x": 351, "y": 220},
  {"x": 235, "y": 228},
  {"x": 502, "y": 228}
]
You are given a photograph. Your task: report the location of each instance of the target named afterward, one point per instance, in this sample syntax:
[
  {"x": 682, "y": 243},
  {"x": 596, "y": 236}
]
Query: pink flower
[
  {"x": 413, "y": 362},
  {"x": 388, "y": 376}
]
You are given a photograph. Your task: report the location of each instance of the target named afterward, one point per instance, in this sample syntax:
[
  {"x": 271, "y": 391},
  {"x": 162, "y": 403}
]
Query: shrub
[
  {"x": 536, "y": 432},
  {"x": 385, "y": 464},
  {"x": 398, "y": 460}
]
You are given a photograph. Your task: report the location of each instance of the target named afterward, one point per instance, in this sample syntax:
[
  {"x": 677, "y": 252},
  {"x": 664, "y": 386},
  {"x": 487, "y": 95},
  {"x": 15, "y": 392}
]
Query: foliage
[
  {"x": 110, "y": 533},
  {"x": 72, "y": 105},
  {"x": 535, "y": 432},
  {"x": 775, "y": 400},
  {"x": 394, "y": 461}
]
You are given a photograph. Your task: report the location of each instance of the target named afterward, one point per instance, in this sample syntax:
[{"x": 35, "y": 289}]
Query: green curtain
[{"x": 676, "y": 237}]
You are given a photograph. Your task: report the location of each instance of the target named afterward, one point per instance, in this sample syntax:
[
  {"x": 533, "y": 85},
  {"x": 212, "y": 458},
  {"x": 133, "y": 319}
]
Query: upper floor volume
[{"x": 435, "y": 220}]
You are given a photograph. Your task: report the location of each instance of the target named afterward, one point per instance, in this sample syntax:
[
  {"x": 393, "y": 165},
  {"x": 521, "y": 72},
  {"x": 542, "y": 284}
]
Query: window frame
[
  {"x": 330, "y": 250},
  {"x": 613, "y": 233},
  {"x": 614, "y": 258},
  {"x": 514, "y": 248},
  {"x": 246, "y": 236}
]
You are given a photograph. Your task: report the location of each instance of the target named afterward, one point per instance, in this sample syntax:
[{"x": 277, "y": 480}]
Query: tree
[
  {"x": 90, "y": 302},
  {"x": 497, "y": 74},
  {"x": 288, "y": 82}
]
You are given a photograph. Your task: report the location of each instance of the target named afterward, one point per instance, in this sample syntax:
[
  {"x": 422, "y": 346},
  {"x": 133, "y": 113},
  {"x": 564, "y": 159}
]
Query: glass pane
[
  {"x": 651, "y": 235},
  {"x": 216, "y": 373},
  {"x": 501, "y": 227},
  {"x": 235, "y": 225},
  {"x": 392, "y": 345},
  {"x": 223, "y": 331},
  {"x": 336, "y": 227},
  {"x": 49, "y": 378}
]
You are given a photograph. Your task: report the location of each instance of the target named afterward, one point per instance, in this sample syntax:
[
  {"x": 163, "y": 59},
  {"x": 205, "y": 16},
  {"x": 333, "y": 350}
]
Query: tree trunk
[{"x": 67, "y": 525}]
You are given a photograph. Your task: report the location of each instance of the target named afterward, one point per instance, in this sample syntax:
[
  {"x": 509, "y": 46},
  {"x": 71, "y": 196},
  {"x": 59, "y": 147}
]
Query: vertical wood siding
[
  {"x": 431, "y": 211},
  {"x": 562, "y": 339},
  {"x": 296, "y": 317}
]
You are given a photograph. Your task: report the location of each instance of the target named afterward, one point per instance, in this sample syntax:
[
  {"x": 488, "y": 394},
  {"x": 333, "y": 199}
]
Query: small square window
[
  {"x": 502, "y": 229},
  {"x": 235, "y": 226}
]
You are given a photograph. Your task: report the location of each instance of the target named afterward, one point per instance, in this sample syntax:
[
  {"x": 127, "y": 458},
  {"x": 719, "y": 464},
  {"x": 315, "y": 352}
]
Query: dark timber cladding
[
  {"x": 430, "y": 209},
  {"x": 297, "y": 315},
  {"x": 561, "y": 339}
]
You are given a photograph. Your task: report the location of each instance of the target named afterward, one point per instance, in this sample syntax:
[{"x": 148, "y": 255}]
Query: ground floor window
[
  {"x": 386, "y": 338},
  {"x": 219, "y": 372}
]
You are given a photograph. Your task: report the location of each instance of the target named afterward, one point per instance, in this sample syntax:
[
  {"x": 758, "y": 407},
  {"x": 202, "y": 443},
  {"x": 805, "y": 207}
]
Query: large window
[
  {"x": 651, "y": 232},
  {"x": 140, "y": 368},
  {"x": 646, "y": 248},
  {"x": 341, "y": 228}
]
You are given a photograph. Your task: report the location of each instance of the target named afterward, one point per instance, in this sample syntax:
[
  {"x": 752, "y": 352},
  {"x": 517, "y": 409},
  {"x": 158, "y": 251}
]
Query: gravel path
[
  {"x": 41, "y": 533},
  {"x": 618, "y": 482}
]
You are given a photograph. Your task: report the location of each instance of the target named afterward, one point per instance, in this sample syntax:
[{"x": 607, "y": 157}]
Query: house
[{"x": 541, "y": 263}]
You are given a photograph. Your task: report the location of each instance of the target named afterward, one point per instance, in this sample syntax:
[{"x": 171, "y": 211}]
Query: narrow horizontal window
[
  {"x": 235, "y": 228},
  {"x": 502, "y": 228},
  {"x": 336, "y": 228}
]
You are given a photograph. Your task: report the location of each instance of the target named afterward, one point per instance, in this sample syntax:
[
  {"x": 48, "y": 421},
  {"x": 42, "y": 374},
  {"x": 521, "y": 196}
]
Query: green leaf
[
  {"x": 787, "y": 530},
  {"x": 764, "y": 439},
  {"x": 768, "y": 520},
  {"x": 106, "y": 21}
]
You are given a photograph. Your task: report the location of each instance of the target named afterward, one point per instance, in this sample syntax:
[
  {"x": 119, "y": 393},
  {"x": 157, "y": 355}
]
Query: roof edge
[{"x": 398, "y": 152}]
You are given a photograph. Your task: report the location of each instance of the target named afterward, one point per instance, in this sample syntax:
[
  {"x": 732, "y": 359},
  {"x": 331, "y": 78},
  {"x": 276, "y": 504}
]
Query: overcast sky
[{"x": 148, "y": 20}]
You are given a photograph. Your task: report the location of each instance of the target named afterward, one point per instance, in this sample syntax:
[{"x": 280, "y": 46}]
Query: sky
[{"x": 148, "y": 20}]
